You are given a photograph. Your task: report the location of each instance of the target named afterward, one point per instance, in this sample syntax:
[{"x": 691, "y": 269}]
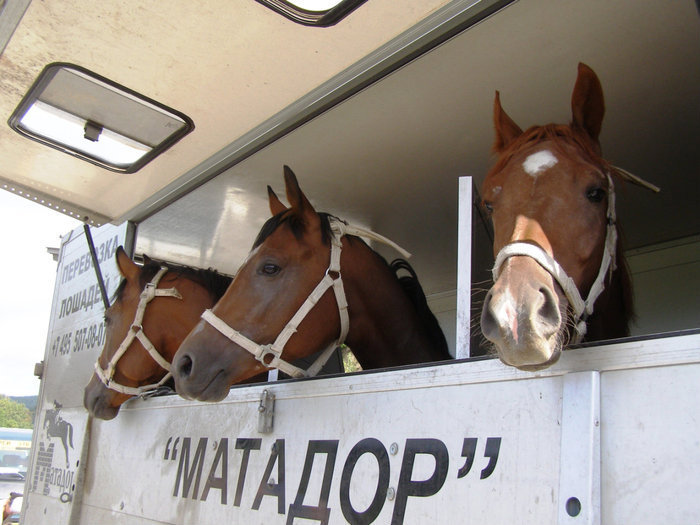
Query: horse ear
[
  {"x": 506, "y": 130},
  {"x": 587, "y": 103},
  {"x": 276, "y": 205},
  {"x": 295, "y": 196},
  {"x": 128, "y": 268}
]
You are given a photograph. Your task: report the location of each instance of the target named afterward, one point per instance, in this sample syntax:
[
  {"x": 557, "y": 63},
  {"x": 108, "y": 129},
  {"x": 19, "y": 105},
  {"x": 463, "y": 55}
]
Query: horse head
[
  {"x": 550, "y": 196},
  {"x": 155, "y": 307},
  {"x": 308, "y": 285}
]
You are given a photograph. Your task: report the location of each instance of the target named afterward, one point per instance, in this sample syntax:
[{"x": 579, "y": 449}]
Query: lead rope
[
  {"x": 270, "y": 355},
  {"x": 150, "y": 292},
  {"x": 581, "y": 309}
]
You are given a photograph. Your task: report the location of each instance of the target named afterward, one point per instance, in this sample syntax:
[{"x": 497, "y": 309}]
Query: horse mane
[
  {"x": 212, "y": 280},
  {"x": 560, "y": 134},
  {"x": 620, "y": 281},
  {"x": 409, "y": 283},
  {"x": 557, "y": 133},
  {"x": 413, "y": 289},
  {"x": 295, "y": 223}
]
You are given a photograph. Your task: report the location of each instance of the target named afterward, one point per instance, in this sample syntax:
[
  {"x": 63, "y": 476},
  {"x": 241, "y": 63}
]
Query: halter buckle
[
  {"x": 265, "y": 351},
  {"x": 149, "y": 291}
]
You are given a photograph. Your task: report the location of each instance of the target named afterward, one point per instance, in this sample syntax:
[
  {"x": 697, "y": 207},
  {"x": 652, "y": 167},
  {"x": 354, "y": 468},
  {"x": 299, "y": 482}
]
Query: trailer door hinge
[{"x": 266, "y": 412}]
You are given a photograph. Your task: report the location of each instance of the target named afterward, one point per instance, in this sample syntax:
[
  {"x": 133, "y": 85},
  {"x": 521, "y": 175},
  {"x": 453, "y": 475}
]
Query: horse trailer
[{"x": 383, "y": 109}]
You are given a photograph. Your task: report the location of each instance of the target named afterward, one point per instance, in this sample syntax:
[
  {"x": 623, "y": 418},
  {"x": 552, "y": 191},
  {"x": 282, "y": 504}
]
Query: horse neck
[
  {"x": 613, "y": 310},
  {"x": 385, "y": 329}
]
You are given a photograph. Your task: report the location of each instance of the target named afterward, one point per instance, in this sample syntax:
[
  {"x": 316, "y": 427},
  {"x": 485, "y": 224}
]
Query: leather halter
[
  {"x": 150, "y": 292},
  {"x": 582, "y": 309},
  {"x": 270, "y": 355}
]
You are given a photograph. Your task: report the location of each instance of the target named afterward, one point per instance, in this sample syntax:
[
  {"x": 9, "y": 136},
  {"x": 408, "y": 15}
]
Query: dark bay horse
[
  {"x": 551, "y": 198},
  {"x": 155, "y": 308},
  {"x": 309, "y": 283}
]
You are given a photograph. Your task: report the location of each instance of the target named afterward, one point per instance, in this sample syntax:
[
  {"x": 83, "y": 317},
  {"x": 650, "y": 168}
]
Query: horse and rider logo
[
  {"x": 57, "y": 427},
  {"x": 46, "y": 475}
]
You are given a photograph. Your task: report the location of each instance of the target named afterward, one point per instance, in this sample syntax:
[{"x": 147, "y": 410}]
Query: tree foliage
[
  {"x": 14, "y": 415},
  {"x": 350, "y": 363}
]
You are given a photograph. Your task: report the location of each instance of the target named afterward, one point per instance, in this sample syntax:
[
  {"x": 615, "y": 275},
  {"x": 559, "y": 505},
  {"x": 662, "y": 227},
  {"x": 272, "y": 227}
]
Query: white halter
[
  {"x": 270, "y": 355},
  {"x": 136, "y": 332},
  {"x": 581, "y": 309}
]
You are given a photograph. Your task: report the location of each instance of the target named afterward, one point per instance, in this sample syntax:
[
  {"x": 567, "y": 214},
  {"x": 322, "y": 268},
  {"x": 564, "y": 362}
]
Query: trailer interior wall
[{"x": 666, "y": 280}]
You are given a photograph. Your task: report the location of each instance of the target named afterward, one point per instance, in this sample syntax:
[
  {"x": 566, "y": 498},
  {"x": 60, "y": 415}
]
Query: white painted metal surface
[
  {"x": 464, "y": 268},
  {"x": 579, "y": 471},
  {"x": 466, "y": 442}
]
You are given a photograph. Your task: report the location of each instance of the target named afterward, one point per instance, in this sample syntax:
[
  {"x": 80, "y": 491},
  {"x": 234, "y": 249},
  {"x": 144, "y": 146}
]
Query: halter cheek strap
[
  {"x": 150, "y": 292},
  {"x": 581, "y": 308},
  {"x": 270, "y": 355}
]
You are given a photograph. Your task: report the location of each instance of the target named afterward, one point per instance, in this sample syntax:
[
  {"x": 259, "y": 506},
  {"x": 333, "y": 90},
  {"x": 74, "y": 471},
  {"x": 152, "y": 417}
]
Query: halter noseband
[
  {"x": 150, "y": 292},
  {"x": 581, "y": 309},
  {"x": 270, "y": 355}
]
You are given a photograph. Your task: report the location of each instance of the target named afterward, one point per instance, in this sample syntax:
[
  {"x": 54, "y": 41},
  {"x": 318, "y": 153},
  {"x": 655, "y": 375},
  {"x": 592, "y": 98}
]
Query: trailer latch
[{"x": 266, "y": 412}]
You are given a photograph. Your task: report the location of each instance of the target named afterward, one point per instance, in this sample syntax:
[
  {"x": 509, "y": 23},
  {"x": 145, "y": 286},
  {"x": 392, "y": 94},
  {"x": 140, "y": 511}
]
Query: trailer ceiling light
[
  {"x": 90, "y": 117},
  {"x": 313, "y": 12}
]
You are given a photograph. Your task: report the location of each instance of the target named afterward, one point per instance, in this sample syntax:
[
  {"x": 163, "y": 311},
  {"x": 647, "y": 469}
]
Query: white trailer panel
[{"x": 609, "y": 434}]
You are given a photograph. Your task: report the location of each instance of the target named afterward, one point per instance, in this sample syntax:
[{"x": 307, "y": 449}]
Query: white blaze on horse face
[{"x": 538, "y": 162}]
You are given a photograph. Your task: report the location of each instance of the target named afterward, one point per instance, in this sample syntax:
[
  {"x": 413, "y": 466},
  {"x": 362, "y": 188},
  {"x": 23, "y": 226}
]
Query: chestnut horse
[
  {"x": 309, "y": 283},
  {"x": 155, "y": 308},
  {"x": 551, "y": 198}
]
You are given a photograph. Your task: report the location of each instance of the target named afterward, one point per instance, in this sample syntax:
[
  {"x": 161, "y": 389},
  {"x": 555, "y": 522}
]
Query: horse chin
[
  {"x": 105, "y": 412},
  {"x": 216, "y": 390},
  {"x": 530, "y": 355}
]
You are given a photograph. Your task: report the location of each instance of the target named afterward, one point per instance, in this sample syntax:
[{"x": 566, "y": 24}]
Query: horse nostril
[
  {"x": 549, "y": 309},
  {"x": 184, "y": 366},
  {"x": 489, "y": 322}
]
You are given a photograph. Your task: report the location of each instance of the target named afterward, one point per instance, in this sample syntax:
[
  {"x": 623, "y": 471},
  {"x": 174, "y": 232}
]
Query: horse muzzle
[
  {"x": 522, "y": 316},
  {"x": 202, "y": 369},
  {"x": 100, "y": 401}
]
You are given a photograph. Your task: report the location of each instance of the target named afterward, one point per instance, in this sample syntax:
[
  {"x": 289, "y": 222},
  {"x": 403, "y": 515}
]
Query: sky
[{"x": 27, "y": 278}]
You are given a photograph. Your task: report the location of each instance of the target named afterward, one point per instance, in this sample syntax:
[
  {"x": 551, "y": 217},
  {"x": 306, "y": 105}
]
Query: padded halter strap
[
  {"x": 270, "y": 355},
  {"x": 150, "y": 292},
  {"x": 581, "y": 309}
]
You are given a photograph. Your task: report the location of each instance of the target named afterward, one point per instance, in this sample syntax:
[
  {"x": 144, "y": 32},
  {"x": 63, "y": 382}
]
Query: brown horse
[
  {"x": 551, "y": 198},
  {"x": 309, "y": 283},
  {"x": 137, "y": 352}
]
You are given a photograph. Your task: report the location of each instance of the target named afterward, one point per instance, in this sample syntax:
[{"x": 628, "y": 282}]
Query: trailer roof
[{"x": 227, "y": 65}]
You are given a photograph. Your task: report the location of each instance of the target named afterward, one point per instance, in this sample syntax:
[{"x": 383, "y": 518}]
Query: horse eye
[
  {"x": 269, "y": 269},
  {"x": 488, "y": 206},
  {"x": 595, "y": 194}
]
